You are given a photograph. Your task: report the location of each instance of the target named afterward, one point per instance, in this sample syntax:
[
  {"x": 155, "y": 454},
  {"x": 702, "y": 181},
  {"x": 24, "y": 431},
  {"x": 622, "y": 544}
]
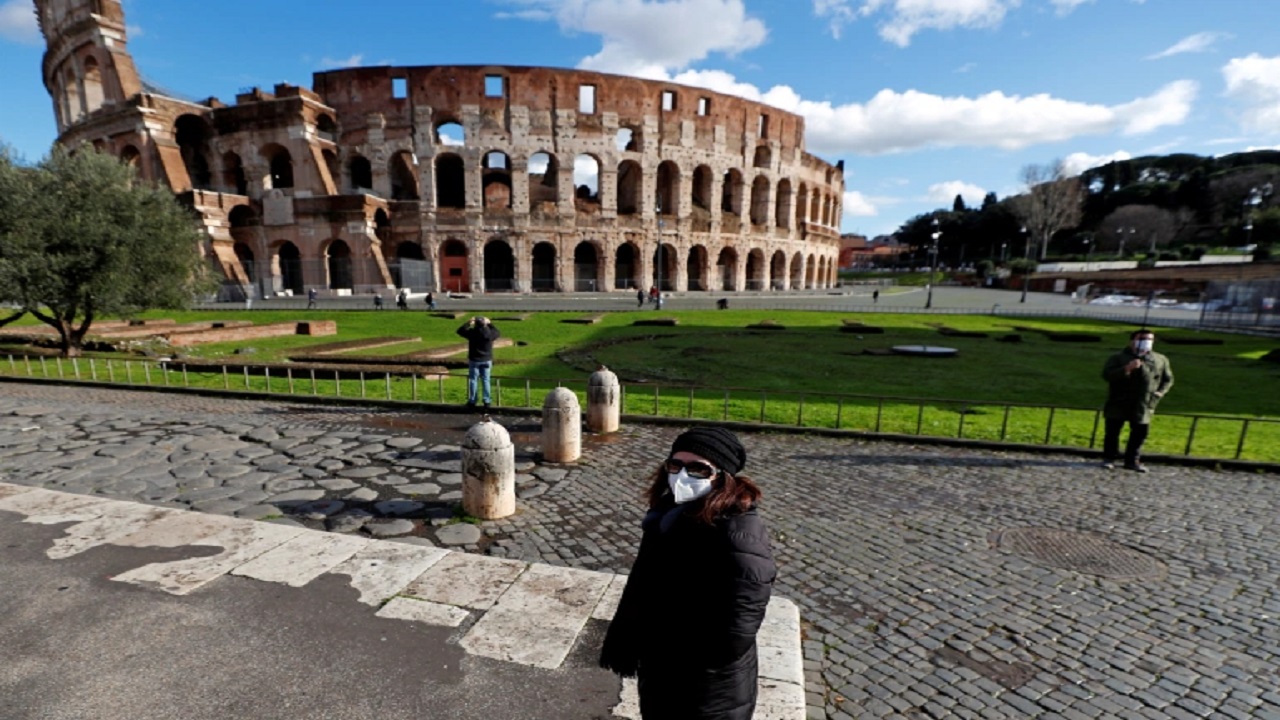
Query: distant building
[{"x": 856, "y": 251}]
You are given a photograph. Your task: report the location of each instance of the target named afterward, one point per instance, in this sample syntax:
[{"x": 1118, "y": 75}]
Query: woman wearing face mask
[{"x": 686, "y": 624}]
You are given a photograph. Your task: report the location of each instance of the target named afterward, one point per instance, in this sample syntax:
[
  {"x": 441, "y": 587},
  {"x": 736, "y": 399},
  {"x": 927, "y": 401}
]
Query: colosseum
[{"x": 461, "y": 179}]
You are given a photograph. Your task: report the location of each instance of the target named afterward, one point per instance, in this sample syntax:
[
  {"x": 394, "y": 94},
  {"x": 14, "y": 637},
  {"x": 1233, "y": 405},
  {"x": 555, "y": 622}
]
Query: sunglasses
[{"x": 695, "y": 468}]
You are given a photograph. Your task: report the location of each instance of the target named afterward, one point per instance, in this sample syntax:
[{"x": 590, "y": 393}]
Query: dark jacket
[
  {"x": 1134, "y": 397},
  {"x": 479, "y": 340},
  {"x": 687, "y": 620}
]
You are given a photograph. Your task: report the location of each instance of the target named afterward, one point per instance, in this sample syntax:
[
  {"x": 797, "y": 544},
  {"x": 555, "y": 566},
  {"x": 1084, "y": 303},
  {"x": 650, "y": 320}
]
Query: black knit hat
[{"x": 718, "y": 445}]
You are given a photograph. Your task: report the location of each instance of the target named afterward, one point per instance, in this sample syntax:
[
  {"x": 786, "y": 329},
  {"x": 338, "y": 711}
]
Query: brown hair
[{"x": 728, "y": 492}]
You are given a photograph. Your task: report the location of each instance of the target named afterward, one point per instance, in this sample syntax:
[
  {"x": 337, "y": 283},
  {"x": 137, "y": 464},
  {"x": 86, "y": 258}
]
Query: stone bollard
[
  {"x": 488, "y": 471},
  {"x": 604, "y": 401},
  {"x": 561, "y": 426}
]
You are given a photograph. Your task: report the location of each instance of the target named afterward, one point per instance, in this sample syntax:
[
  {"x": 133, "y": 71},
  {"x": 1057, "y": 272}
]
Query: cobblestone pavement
[{"x": 933, "y": 582}]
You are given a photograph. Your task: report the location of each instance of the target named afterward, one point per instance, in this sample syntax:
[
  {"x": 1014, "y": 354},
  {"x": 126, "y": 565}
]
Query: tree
[
  {"x": 11, "y": 218},
  {"x": 1053, "y": 202},
  {"x": 957, "y": 205},
  {"x": 83, "y": 239},
  {"x": 1143, "y": 226}
]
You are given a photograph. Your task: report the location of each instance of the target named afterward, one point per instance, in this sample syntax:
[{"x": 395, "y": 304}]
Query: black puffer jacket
[{"x": 686, "y": 624}]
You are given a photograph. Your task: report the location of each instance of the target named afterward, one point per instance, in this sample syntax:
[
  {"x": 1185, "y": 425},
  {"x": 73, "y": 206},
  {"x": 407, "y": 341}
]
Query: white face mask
[
  {"x": 686, "y": 488},
  {"x": 1144, "y": 346}
]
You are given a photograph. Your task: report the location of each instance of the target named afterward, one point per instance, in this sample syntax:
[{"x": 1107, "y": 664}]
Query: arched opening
[
  {"x": 731, "y": 193},
  {"x": 288, "y": 268},
  {"x": 778, "y": 271},
  {"x": 410, "y": 268},
  {"x": 450, "y": 134},
  {"x": 826, "y": 211},
  {"x": 451, "y": 181},
  {"x": 695, "y": 268},
  {"x": 586, "y": 263},
  {"x": 762, "y": 158},
  {"x": 755, "y": 270},
  {"x": 544, "y": 183},
  {"x": 810, "y": 273},
  {"x": 499, "y": 266},
  {"x": 74, "y": 108},
  {"x": 627, "y": 139},
  {"x": 626, "y": 271},
  {"x": 797, "y": 271},
  {"x": 586, "y": 183},
  {"x": 242, "y": 216},
  {"x": 667, "y": 193},
  {"x": 281, "y": 167},
  {"x": 782, "y": 204},
  {"x": 544, "y": 267},
  {"x": 338, "y": 263},
  {"x": 701, "y": 190},
  {"x": 760, "y": 201},
  {"x": 455, "y": 275},
  {"x": 802, "y": 205},
  {"x": 93, "y": 92},
  {"x": 404, "y": 179},
  {"x": 193, "y": 134},
  {"x": 630, "y": 180},
  {"x": 381, "y": 225},
  {"x": 131, "y": 157},
  {"x": 664, "y": 267},
  {"x": 815, "y": 207},
  {"x": 727, "y": 267},
  {"x": 496, "y": 180},
  {"x": 233, "y": 177},
  {"x": 360, "y": 171}
]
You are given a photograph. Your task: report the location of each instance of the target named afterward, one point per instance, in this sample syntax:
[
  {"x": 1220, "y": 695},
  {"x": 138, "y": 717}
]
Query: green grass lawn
[{"x": 811, "y": 373}]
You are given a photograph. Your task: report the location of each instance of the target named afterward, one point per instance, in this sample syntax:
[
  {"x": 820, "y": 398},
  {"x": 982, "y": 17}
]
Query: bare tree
[
  {"x": 1054, "y": 201},
  {"x": 1140, "y": 226}
]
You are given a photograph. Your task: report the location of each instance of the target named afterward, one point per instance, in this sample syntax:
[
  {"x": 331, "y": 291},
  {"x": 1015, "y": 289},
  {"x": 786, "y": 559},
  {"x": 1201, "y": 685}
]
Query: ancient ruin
[{"x": 461, "y": 179}]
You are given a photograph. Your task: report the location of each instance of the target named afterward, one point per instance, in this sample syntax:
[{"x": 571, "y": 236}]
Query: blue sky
[{"x": 922, "y": 99}]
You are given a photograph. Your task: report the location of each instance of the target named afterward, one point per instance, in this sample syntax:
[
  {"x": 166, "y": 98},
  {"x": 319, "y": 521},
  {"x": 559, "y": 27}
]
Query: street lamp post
[
  {"x": 1026, "y": 276},
  {"x": 1121, "y": 231},
  {"x": 933, "y": 267}
]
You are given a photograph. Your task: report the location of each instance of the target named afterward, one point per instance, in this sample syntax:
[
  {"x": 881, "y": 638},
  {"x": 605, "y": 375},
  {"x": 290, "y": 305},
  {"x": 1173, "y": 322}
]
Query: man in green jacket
[{"x": 1138, "y": 377}]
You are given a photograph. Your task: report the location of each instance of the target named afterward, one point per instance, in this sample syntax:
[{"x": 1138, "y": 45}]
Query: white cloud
[
  {"x": 1254, "y": 83},
  {"x": 858, "y": 205},
  {"x": 134, "y": 31},
  {"x": 893, "y": 121},
  {"x": 645, "y": 38},
  {"x": 1200, "y": 42},
  {"x": 1064, "y": 7},
  {"x": 905, "y": 18},
  {"x": 946, "y": 192},
  {"x": 353, "y": 61},
  {"x": 18, "y": 22},
  {"x": 1078, "y": 162}
]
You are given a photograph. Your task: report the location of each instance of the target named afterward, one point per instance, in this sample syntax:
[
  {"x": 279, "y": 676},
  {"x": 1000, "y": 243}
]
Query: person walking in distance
[
  {"x": 687, "y": 620},
  {"x": 311, "y": 299},
  {"x": 480, "y": 334},
  {"x": 402, "y": 299},
  {"x": 431, "y": 300},
  {"x": 1138, "y": 378},
  {"x": 639, "y": 298}
]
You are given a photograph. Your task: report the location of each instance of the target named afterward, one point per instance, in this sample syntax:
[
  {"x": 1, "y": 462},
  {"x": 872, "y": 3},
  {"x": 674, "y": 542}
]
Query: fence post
[
  {"x": 388, "y": 377},
  {"x": 58, "y": 361},
  {"x": 1048, "y": 430},
  {"x": 960, "y": 430},
  {"x": 656, "y": 390},
  {"x": 93, "y": 370},
  {"x": 75, "y": 367},
  {"x": 226, "y": 379},
  {"x": 246, "y": 378},
  {"x": 128, "y": 373},
  {"x": 266, "y": 372},
  {"x": 413, "y": 383},
  {"x": 313, "y": 381},
  {"x": 337, "y": 384},
  {"x": 498, "y": 386},
  {"x": 800, "y": 413},
  {"x": 920, "y": 418},
  {"x": 26, "y": 360},
  {"x": 146, "y": 373},
  {"x": 361, "y": 383},
  {"x": 44, "y": 368},
  {"x": 763, "y": 399},
  {"x": 186, "y": 382},
  {"x": 1093, "y": 437},
  {"x": 689, "y": 413},
  {"x": 839, "y": 411},
  {"x": 527, "y": 399},
  {"x": 288, "y": 373},
  {"x": 1004, "y": 426},
  {"x": 440, "y": 379},
  {"x": 1244, "y": 431},
  {"x": 13, "y": 366},
  {"x": 1191, "y": 435},
  {"x": 111, "y": 374}
]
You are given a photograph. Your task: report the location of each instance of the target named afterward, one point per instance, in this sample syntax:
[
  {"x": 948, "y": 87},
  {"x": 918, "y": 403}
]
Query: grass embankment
[{"x": 811, "y": 373}]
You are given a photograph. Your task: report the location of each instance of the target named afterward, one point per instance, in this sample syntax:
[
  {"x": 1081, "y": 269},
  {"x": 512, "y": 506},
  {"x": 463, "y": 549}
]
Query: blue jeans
[{"x": 478, "y": 370}]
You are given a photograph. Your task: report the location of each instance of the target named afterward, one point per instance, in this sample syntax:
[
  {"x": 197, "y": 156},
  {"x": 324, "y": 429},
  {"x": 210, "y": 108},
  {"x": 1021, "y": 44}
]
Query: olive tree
[
  {"x": 82, "y": 238},
  {"x": 1053, "y": 201}
]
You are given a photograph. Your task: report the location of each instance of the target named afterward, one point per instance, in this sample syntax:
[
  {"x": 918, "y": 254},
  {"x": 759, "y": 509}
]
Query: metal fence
[
  {"x": 1186, "y": 434},
  {"x": 1242, "y": 304}
]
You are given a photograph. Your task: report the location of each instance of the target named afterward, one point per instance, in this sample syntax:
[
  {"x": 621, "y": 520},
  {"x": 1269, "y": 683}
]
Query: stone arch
[
  {"x": 700, "y": 191},
  {"x": 760, "y": 200},
  {"x": 802, "y": 205},
  {"x": 193, "y": 133},
  {"x": 696, "y": 269},
  {"x": 280, "y": 164},
  {"x": 404, "y": 180},
  {"x": 495, "y": 180},
  {"x": 815, "y": 207},
  {"x": 586, "y": 183},
  {"x": 727, "y": 267},
  {"x": 337, "y": 264},
  {"x": 360, "y": 173},
  {"x": 810, "y": 272},
  {"x": 130, "y": 156},
  {"x": 233, "y": 177},
  {"x": 667, "y": 190},
  {"x": 499, "y": 266},
  {"x": 782, "y": 205},
  {"x": 286, "y": 263},
  {"x": 763, "y": 157},
  {"x": 72, "y": 100},
  {"x": 455, "y": 272},
  {"x": 451, "y": 181},
  {"x": 242, "y": 216},
  {"x": 731, "y": 193},
  {"x": 94, "y": 93},
  {"x": 544, "y": 182},
  {"x": 756, "y": 270},
  {"x": 797, "y": 271},
  {"x": 664, "y": 266},
  {"x": 626, "y": 267},
  {"x": 450, "y": 133},
  {"x": 543, "y": 273},
  {"x": 586, "y": 267},
  {"x": 778, "y": 271},
  {"x": 630, "y": 182}
]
